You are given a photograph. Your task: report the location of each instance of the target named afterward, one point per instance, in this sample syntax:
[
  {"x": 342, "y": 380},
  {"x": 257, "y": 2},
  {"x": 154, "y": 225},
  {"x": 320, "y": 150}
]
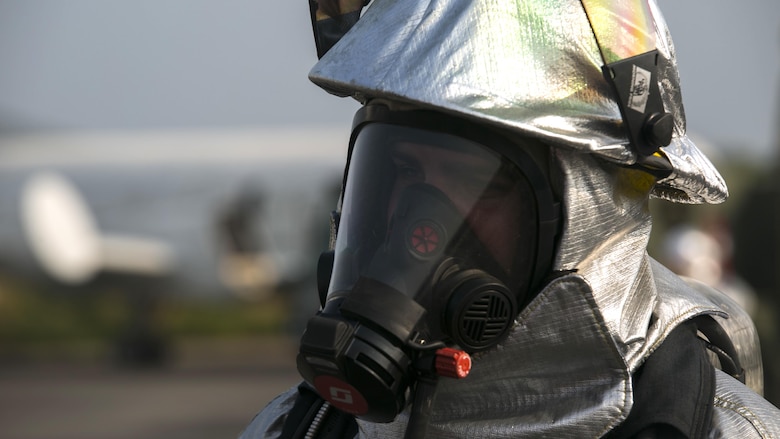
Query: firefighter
[{"x": 489, "y": 274}]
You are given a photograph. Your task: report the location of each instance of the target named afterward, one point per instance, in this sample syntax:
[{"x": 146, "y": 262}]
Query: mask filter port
[{"x": 480, "y": 311}]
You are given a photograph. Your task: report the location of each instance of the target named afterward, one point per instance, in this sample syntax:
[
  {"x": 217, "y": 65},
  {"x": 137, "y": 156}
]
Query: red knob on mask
[{"x": 452, "y": 363}]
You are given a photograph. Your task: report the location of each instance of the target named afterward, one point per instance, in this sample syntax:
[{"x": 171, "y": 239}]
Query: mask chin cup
[{"x": 480, "y": 310}]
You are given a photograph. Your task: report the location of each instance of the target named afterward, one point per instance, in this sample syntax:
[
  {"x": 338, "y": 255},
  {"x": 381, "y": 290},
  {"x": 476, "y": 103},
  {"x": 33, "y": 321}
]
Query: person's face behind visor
[
  {"x": 491, "y": 218},
  {"x": 484, "y": 193}
]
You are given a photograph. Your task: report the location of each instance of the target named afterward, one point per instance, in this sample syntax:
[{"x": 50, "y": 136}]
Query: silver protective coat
[{"x": 565, "y": 377}]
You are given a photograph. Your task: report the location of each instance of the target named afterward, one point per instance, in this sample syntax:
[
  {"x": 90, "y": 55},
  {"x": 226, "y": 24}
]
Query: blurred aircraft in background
[{"x": 198, "y": 214}]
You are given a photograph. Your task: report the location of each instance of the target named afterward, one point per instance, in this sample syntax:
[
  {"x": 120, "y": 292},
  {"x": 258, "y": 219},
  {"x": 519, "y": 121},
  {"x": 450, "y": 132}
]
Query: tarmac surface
[{"x": 210, "y": 389}]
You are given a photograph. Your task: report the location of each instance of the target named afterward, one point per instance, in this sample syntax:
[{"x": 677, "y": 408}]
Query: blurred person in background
[
  {"x": 704, "y": 251},
  {"x": 489, "y": 274}
]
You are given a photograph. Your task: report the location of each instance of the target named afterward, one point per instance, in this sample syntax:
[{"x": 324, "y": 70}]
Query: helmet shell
[{"x": 533, "y": 67}]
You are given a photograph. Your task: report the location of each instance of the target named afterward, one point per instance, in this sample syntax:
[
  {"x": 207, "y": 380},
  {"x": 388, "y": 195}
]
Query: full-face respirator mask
[{"x": 446, "y": 231}]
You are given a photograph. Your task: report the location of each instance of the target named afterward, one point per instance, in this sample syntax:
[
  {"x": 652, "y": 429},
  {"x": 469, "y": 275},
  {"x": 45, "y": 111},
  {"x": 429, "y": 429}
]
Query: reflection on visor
[
  {"x": 623, "y": 28},
  {"x": 416, "y": 198},
  {"x": 469, "y": 180}
]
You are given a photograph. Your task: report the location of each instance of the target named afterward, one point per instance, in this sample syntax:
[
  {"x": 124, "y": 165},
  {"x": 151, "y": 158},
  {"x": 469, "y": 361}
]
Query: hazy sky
[
  {"x": 729, "y": 59},
  {"x": 110, "y": 64}
]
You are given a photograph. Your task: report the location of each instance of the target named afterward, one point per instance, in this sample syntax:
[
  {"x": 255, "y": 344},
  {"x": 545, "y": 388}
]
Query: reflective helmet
[{"x": 592, "y": 75}]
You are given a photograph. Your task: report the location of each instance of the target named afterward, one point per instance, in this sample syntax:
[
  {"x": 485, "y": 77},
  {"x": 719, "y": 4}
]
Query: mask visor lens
[{"x": 415, "y": 198}]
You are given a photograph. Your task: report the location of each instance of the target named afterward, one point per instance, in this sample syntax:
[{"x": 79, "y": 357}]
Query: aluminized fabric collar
[
  {"x": 553, "y": 377},
  {"x": 559, "y": 374},
  {"x": 531, "y": 66}
]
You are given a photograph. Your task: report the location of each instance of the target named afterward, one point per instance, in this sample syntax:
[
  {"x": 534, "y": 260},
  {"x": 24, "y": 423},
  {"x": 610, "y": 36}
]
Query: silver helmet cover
[{"x": 531, "y": 66}]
